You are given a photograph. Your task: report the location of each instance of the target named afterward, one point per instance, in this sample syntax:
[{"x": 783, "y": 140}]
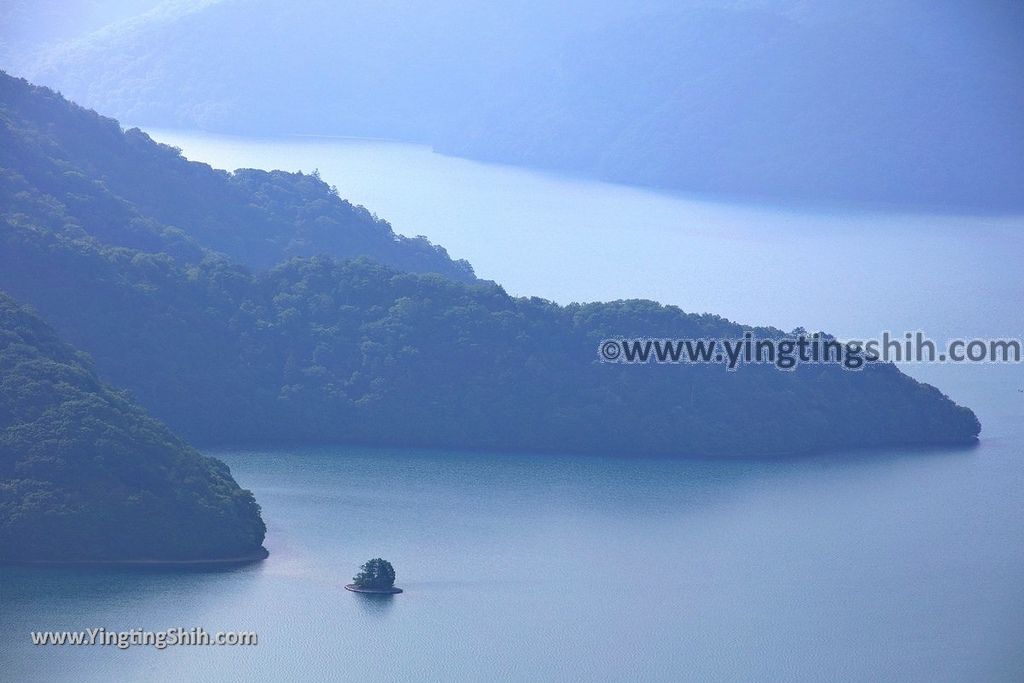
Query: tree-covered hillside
[
  {"x": 317, "y": 349},
  {"x": 77, "y": 172},
  {"x": 86, "y": 475}
]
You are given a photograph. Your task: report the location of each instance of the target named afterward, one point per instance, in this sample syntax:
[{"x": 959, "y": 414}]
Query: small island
[{"x": 376, "y": 576}]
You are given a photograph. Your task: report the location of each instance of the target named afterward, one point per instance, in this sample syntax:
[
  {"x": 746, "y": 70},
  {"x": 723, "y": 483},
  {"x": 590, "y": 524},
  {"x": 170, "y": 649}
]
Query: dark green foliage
[
  {"x": 85, "y": 474},
  {"x": 376, "y": 573},
  {"x": 318, "y": 351},
  {"x": 321, "y": 350},
  {"x": 76, "y": 173}
]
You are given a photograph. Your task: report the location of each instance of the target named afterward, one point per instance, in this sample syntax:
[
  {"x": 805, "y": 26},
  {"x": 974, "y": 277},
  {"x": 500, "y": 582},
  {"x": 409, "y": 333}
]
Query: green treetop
[{"x": 376, "y": 573}]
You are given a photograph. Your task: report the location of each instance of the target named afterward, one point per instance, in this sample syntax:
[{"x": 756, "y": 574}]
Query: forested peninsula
[
  {"x": 166, "y": 290},
  {"x": 87, "y": 476}
]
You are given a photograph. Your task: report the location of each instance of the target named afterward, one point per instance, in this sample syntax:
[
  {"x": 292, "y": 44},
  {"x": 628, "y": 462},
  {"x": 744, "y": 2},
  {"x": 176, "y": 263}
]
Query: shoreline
[
  {"x": 838, "y": 453},
  {"x": 257, "y": 556},
  {"x": 372, "y": 591}
]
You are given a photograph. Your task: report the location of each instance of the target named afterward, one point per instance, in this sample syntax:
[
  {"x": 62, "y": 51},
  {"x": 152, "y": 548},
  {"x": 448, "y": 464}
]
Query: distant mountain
[
  {"x": 919, "y": 106},
  {"x": 914, "y": 103},
  {"x": 80, "y": 174},
  {"x": 86, "y": 475},
  {"x": 319, "y": 350},
  {"x": 29, "y": 24}
]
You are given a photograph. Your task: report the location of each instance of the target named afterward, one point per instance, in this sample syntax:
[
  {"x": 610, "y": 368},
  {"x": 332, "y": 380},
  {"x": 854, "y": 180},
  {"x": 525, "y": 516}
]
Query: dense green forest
[
  {"x": 318, "y": 349},
  {"x": 86, "y": 475},
  {"x": 77, "y": 173}
]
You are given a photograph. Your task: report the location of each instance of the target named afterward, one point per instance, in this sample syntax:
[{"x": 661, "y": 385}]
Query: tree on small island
[{"x": 375, "y": 574}]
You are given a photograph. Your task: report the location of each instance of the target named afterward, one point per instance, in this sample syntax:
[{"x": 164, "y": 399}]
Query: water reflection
[{"x": 374, "y": 604}]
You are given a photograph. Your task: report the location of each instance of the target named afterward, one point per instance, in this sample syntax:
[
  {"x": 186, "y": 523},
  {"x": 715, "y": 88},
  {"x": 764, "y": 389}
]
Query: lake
[
  {"x": 891, "y": 565},
  {"x": 526, "y": 567}
]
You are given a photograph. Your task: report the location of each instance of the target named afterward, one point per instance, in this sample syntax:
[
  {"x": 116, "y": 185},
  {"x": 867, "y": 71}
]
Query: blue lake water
[{"x": 893, "y": 565}]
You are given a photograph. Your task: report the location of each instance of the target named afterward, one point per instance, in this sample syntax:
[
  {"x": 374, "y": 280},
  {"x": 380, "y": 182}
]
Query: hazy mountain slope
[
  {"x": 317, "y": 350},
  {"x": 28, "y": 25},
  {"x": 89, "y": 177},
  {"x": 926, "y": 108},
  {"x": 85, "y": 474},
  {"x": 914, "y": 103},
  {"x": 320, "y": 351}
]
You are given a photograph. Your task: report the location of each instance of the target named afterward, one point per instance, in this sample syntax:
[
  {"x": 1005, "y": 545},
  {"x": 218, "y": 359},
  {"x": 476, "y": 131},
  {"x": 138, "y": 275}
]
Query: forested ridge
[
  {"x": 86, "y": 475},
  {"x": 78, "y": 174},
  {"x": 317, "y": 349}
]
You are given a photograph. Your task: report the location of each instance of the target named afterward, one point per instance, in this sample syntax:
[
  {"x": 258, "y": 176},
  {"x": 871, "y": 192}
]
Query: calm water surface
[
  {"x": 893, "y": 565},
  {"x": 896, "y": 565}
]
